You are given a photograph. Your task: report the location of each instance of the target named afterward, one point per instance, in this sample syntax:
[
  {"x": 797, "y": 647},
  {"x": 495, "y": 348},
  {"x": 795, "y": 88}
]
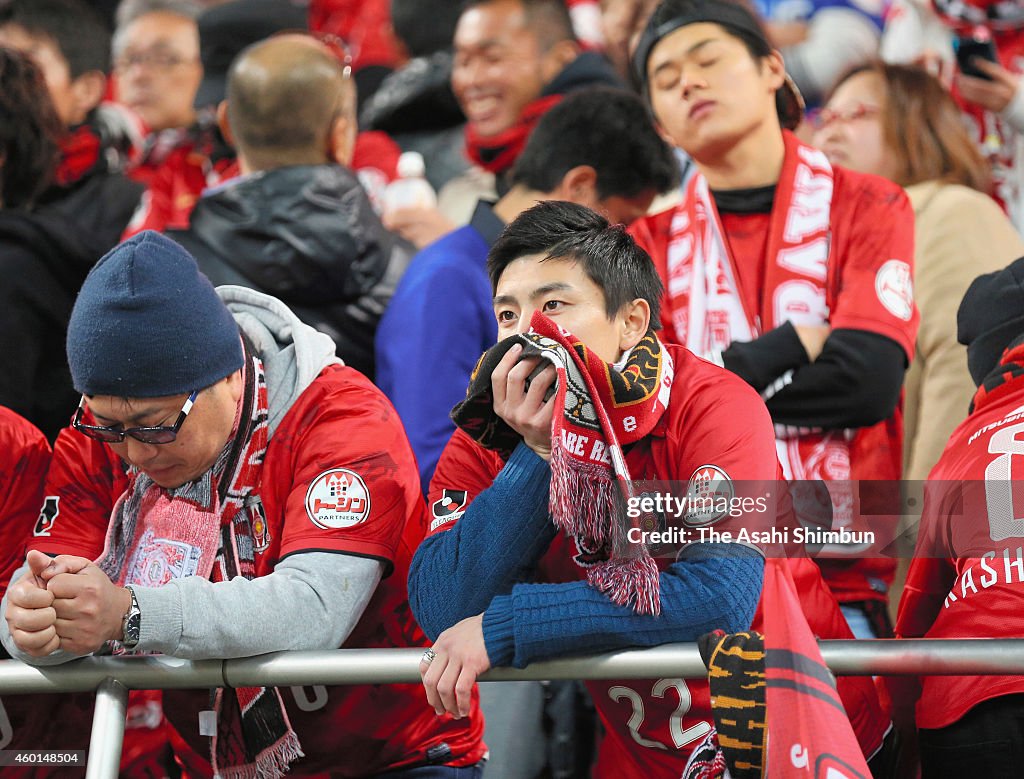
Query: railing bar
[
  {"x": 108, "y": 720},
  {"x": 954, "y": 657}
]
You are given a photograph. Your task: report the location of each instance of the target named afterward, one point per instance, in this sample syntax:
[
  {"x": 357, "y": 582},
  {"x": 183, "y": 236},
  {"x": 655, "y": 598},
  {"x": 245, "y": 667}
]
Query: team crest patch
[
  {"x": 337, "y": 499},
  {"x": 47, "y": 516},
  {"x": 709, "y": 495},
  {"x": 260, "y": 531},
  {"x": 449, "y": 507},
  {"x": 159, "y": 560},
  {"x": 895, "y": 289}
]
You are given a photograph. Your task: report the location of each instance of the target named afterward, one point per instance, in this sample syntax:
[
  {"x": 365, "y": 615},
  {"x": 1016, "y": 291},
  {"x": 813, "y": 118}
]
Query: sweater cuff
[
  {"x": 160, "y": 622},
  {"x": 499, "y": 631},
  {"x": 1013, "y": 114}
]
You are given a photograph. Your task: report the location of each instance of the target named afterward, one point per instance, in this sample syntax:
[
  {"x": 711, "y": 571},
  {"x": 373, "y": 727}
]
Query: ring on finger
[{"x": 428, "y": 656}]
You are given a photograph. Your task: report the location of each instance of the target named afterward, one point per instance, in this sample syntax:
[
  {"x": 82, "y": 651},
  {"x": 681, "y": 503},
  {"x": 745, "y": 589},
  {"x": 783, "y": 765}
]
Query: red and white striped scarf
[{"x": 709, "y": 311}]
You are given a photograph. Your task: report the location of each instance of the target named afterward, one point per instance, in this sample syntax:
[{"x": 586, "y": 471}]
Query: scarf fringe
[
  {"x": 594, "y": 518},
  {"x": 271, "y": 763},
  {"x": 629, "y": 581}
]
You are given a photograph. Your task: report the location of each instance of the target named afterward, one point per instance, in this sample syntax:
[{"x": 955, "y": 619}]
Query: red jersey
[
  {"x": 967, "y": 576},
  {"x": 24, "y": 724},
  {"x": 713, "y": 420},
  {"x": 870, "y": 233},
  {"x": 341, "y": 427},
  {"x": 21, "y": 488}
]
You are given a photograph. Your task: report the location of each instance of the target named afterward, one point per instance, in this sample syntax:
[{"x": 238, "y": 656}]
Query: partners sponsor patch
[
  {"x": 709, "y": 495},
  {"x": 337, "y": 499}
]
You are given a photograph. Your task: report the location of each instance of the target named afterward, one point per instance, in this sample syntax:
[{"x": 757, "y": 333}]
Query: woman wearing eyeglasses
[{"x": 899, "y": 122}]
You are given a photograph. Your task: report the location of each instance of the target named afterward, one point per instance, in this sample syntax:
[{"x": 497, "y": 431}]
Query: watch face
[{"x": 131, "y": 628}]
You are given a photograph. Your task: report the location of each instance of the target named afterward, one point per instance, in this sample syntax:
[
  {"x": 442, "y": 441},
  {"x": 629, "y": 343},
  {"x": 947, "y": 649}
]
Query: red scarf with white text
[{"x": 708, "y": 307}]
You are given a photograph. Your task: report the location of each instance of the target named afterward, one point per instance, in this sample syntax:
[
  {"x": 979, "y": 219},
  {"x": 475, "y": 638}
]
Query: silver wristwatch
[{"x": 132, "y": 623}]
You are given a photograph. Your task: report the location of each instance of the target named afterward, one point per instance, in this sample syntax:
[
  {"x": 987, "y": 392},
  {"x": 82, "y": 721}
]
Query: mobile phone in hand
[{"x": 968, "y": 48}]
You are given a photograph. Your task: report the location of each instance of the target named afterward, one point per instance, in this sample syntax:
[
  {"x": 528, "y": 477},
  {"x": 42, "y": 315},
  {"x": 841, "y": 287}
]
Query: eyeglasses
[
  {"x": 161, "y": 434},
  {"x": 827, "y": 116},
  {"x": 157, "y": 60}
]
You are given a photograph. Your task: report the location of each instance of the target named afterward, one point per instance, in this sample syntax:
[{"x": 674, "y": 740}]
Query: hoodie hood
[{"x": 293, "y": 353}]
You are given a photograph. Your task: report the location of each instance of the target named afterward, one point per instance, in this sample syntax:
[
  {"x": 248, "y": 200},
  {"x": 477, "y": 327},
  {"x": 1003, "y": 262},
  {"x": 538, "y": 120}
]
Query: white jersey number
[
  {"x": 1003, "y": 521},
  {"x": 680, "y": 737},
  {"x": 305, "y": 703}
]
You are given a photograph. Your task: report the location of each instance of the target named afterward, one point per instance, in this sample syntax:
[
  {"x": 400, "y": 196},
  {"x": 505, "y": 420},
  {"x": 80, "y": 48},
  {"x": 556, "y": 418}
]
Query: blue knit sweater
[{"x": 485, "y": 561}]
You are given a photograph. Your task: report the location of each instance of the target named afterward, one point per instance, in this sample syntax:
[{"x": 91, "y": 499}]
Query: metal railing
[{"x": 112, "y": 677}]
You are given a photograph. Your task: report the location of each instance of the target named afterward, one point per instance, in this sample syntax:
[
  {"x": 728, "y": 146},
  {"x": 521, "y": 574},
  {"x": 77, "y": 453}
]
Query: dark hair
[
  {"x": 29, "y": 130},
  {"x": 923, "y": 126},
  {"x": 549, "y": 19},
  {"x": 609, "y": 255},
  {"x": 73, "y": 27},
  {"x": 757, "y": 45},
  {"x": 747, "y": 29},
  {"x": 425, "y": 27},
  {"x": 609, "y": 129}
]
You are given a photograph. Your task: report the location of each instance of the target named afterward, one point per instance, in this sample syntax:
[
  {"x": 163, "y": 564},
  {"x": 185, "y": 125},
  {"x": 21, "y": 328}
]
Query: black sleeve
[
  {"x": 855, "y": 382},
  {"x": 763, "y": 360}
]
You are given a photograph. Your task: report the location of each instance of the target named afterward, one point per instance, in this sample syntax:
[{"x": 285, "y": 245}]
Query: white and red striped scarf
[{"x": 708, "y": 308}]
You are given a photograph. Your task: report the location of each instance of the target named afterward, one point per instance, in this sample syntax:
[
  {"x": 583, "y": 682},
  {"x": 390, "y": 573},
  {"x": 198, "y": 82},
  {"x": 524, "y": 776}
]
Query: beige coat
[{"x": 960, "y": 234}]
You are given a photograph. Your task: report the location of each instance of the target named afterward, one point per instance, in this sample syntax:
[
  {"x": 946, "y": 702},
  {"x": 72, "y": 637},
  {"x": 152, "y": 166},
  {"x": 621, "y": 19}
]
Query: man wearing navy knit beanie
[{"x": 229, "y": 488}]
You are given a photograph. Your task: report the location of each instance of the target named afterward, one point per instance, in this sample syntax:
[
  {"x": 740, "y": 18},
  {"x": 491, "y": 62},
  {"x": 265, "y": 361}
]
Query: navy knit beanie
[{"x": 148, "y": 324}]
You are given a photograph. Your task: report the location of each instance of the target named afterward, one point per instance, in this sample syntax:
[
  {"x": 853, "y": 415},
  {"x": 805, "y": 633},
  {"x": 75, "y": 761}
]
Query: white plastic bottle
[{"x": 410, "y": 189}]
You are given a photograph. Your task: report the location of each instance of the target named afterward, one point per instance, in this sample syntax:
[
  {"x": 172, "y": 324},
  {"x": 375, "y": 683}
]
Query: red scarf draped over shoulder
[{"x": 497, "y": 153}]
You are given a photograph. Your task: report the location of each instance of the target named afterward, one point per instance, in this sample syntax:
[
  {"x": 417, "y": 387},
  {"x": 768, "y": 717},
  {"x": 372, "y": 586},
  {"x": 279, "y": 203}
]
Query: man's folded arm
[
  {"x": 713, "y": 586},
  {"x": 312, "y": 600},
  {"x": 493, "y": 546}
]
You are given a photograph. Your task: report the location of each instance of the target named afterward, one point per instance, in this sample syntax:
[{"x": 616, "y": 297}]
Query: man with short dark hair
[
  {"x": 597, "y": 148},
  {"x": 296, "y": 223},
  {"x": 240, "y": 492},
  {"x": 156, "y": 61},
  {"x": 495, "y": 582}
]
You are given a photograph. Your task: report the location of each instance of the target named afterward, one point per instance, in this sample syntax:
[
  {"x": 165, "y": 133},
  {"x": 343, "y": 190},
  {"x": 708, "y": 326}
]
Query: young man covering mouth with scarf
[{"x": 527, "y": 557}]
